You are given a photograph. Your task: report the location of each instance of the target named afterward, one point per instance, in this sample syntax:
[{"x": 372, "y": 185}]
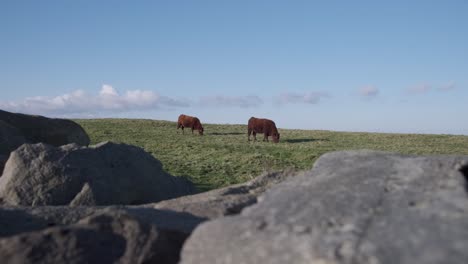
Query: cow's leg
[
  {"x": 255, "y": 135},
  {"x": 249, "y": 131},
  {"x": 182, "y": 127},
  {"x": 265, "y": 137},
  {"x": 192, "y": 130}
]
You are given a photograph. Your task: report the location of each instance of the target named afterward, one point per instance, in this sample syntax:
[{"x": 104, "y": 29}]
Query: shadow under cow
[{"x": 303, "y": 140}]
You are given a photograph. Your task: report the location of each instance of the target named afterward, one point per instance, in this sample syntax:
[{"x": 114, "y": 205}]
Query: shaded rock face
[
  {"x": 105, "y": 174},
  {"x": 10, "y": 139},
  {"x": 225, "y": 201},
  {"x": 112, "y": 237},
  {"x": 353, "y": 207},
  {"x": 182, "y": 214},
  {"x": 19, "y": 220},
  {"x": 52, "y": 131},
  {"x": 17, "y": 129},
  {"x": 14, "y": 221}
]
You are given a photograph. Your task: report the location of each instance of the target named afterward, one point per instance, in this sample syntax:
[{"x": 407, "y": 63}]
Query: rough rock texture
[
  {"x": 16, "y": 129},
  {"x": 52, "y": 131},
  {"x": 353, "y": 207},
  {"x": 225, "y": 201},
  {"x": 10, "y": 139},
  {"x": 182, "y": 214},
  {"x": 18, "y": 220},
  {"x": 104, "y": 238},
  {"x": 105, "y": 174}
]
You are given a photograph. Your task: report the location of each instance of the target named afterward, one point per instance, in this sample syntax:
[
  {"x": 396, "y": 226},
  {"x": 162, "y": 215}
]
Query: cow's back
[
  {"x": 256, "y": 124},
  {"x": 185, "y": 120},
  {"x": 181, "y": 118}
]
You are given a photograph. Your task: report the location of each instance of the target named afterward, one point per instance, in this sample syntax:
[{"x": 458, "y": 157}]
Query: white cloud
[
  {"x": 143, "y": 98},
  {"x": 368, "y": 91},
  {"x": 419, "y": 89},
  {"x": 80, "y": 102},
  {"x": 231, "y": 101},
  {"x": 108, "y": 90},
  {"x": 447, "y": 87},
  {"x": 300, "y": 98}
]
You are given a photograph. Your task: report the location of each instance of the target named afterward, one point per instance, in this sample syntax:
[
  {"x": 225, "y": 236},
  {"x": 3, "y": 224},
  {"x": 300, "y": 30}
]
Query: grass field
[{"x": 223, "y": 156}]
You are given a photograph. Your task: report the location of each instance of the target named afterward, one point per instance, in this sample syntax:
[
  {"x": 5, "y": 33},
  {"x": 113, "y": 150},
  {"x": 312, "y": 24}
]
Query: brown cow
[
  {"x": 191, "y": 122},
  {"x": 265, "y": 126}
]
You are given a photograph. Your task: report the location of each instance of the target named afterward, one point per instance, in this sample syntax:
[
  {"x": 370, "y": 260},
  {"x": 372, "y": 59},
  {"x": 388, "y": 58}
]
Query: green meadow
[{"x": 223, "y": 156}]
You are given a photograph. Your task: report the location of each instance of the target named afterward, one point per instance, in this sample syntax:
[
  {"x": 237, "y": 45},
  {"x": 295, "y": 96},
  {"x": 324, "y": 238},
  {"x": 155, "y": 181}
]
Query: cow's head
[
  {"x": 200, "y": 131},
  {"x": 276, "y": 137}
]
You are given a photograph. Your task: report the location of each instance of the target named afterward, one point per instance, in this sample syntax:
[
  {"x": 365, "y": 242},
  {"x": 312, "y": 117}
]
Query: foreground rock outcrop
[
  {"x": 150, "y": 233},
  {"x": 105, "y": 174},
  {"x": 112, "y": 237},
  {"x": 225, "y": 201},
  {"x": 353, "y": 207},
  {"x": 182, "y": 214}
]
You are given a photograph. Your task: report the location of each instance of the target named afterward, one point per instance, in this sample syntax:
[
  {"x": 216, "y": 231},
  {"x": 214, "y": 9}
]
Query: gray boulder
[
  {"x": 352, "y": 207},
  {"x": 14, "y": 221},
  {"x": 16, "y": 129},
  {"x": 104, "y": 174},
  {"x": 112, "y": 237},
  {"x": 225, "y": 201},
  {"x": 53, "y": 131},
  {"x": 182, "y": 214},
  {"x": 18, "y": 220},
  {"x": 10, "y": 139}
]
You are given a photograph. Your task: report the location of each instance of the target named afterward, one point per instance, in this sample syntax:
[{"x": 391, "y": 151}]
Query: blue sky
[{"x": 377, "y": 66}]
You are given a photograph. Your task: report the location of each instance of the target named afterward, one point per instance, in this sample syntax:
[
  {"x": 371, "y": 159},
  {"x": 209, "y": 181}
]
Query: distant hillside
[{"x": 223, "y": 156}]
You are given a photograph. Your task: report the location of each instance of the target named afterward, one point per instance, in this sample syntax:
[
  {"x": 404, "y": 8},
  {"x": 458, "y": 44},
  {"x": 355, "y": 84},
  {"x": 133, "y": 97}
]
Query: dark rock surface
[
  {"x": 104, "y": 174},
  {"x": 225, "y": 201},
  {"x": 53, "y": 131},
  {"x": 10, "y": 139},
  {"x": 112, "y": 237},
  {"x": 18, "y": 220},
  {"x": 182, "y": 214},
  {"x": 353, "y": 207},
  {"x": 17, "y": 129}
]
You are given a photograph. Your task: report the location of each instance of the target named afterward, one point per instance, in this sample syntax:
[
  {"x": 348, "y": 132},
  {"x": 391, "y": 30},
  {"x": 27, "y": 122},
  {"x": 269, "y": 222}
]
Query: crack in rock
[
  {"x": 464, "y": 171},
  {"x": 375, "y": 212}
]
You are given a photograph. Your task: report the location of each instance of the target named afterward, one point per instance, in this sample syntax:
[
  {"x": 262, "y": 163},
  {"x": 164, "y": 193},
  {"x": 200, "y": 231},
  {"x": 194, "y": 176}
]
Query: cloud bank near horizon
[
  {"x": 81, "y": 102},
  {"x": 230, "y": 101},
  {"x": 108, "y": 101},
  {"x": 300, "y": 98},
  {"x": 368, "y": 92},
  {"x": 426, "y": 88}
]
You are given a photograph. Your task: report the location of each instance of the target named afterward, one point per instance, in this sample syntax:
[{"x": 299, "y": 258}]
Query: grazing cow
[
  {"x": 191, "y": 122},
  {"x": 265, "y": 126}
]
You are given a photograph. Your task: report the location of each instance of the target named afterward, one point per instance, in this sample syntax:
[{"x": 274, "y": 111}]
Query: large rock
[
  {"x": 52, "y": 131},
  {"x": 10, "y": 139},
  {"x": 14, "y": 221},
  {"x": 182, "y": 214},
  {"x": 105, "y": 174},
  {"x": 16, "y": 129},
  {"x": 18, "y": 220},
  {"x": 225, "y": 201},
  {"x": 112, "y": 237},
  {"x": 353, "y": 207}
]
